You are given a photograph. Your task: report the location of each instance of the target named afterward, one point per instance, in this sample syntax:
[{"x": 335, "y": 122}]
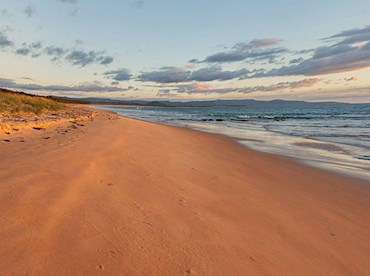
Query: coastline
[
  {"x": 331, "y": 156},
  {"x": 123, "y": 196}
]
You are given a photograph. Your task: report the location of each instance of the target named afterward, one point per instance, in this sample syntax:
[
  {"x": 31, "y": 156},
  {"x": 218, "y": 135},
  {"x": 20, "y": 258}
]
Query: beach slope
[{"x": 117, "y": 196}]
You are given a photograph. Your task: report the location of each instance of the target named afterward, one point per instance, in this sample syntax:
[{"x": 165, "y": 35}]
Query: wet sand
[{"x": 116, "y": 196}]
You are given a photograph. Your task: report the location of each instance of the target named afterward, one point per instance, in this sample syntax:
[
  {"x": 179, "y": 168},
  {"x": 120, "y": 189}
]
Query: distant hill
[
  {"x": 91, "y": 100},
  {"x": 210, "y": 103}
]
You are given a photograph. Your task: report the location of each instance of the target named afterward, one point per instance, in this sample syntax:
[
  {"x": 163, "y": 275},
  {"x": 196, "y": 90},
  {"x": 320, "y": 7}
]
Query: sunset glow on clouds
[{"x": 141, "y": 49}]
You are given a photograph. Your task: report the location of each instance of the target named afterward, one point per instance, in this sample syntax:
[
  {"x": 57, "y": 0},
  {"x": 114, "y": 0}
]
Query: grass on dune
[{"x": 19, "y": 102}]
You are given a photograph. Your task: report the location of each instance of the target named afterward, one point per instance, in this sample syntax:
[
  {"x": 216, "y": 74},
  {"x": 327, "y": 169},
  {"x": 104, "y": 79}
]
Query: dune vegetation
[{"x": 15, "y": 102}]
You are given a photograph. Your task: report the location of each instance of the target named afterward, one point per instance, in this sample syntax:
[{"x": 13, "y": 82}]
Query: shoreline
[
  {"x": 116, "y": 195},
  {"x": 322, "y": 155}
]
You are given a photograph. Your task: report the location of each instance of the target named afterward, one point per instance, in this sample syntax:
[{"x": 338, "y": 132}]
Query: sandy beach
[{"x": 109, "y": 195}]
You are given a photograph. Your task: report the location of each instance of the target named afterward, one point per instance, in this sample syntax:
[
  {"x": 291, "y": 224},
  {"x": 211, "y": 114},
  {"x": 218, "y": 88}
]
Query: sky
[{"x": 187, "y": 50}]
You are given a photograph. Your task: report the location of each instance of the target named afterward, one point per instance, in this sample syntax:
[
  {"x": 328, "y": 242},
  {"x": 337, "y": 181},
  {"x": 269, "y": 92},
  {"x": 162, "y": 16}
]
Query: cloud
[
  {"x": 257, "y": 49},
  {"x": 129, "y": 88},
  {"x": 192, "y": 88},
  {"x": 216, "y": 73},
  {"x": 119, "y": 74},
  {"x": 347, "y": 51},
  {"x": 69, "y": 1},
  {"x": 353, "y": 78},
  {"x": 351, "y": 52},
  {"x": 23, "y": 51},
  {"x": 238, "y": 55},
  {"x": 351, "y": 36},
  {"x": 4, "y": 41},
  {"x": 350, "y": 61},
  {"x": 205, "y": 89},
  {"x": 194, "y": 60},
  {"x": 36, "y": 45},
  {"x": 328, "y": 51},
  {"x": 55, "y": 52},
  {"x": 104, "y": 60},
  {"x": 165, "y": 75},
  {"x": 303, "y": 83},
  {"x": 86, "y": 87},
  {"x": 226, "y": 57},
  {"x": 197, "y": 87},
  {"x": 27, "y": 78},
  {"x": 83, "y": 58},
  {"x": 256, "y": 44},
  {"x": 34, "y": 49},
  {"x": 176, "y": 74},
  {"x": 30, "y": 11},
  {"x": 297, "y": 60},
  {"x": 74, "y": 56}
]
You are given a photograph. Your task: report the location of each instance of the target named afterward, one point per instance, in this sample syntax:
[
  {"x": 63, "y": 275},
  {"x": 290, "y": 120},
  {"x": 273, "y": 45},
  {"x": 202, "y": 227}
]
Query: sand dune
[{"x": 117, "y": 196}]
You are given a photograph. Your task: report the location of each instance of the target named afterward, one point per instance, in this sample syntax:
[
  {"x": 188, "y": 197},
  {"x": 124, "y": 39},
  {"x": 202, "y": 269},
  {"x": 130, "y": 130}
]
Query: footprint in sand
[
  {"x": 19, "y": 139},
  {"x": 183, "y": 201},
  {"x": 188, "y": 272}
]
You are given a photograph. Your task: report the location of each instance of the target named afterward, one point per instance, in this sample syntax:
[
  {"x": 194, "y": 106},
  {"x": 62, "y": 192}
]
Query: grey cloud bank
[
  {"x": 73, "y": 56},
  {"x": 89, "y": 87},
  {"x": 55, "y": 52},
  {"x": 23, "y": 51},
  {"x": 257, "y": 49},
  {"x": 216, "y": 73},
  {"x": 199, "y": 88},
  {"x": 122, "y": 74},
  {"x": 352, "y": 35},
  {"x": 83, "y": 58},
  {"x": 165, "y": 75},
  {"x": 4, "y": 41},
  {"x": 175, "y": 74},
  {"x": 351, "y": 52}
]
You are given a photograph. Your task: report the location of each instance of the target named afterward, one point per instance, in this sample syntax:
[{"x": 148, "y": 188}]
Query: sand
[
  {"x": 117, "y": 196},
  {"x": 11, "y": 123}
]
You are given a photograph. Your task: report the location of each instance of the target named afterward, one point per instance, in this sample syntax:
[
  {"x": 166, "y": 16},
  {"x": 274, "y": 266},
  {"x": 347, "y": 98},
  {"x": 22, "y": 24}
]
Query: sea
[{"x": 333, "y": 137}]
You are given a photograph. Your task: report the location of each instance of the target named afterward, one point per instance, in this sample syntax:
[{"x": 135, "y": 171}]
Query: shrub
[{"x": 15, "y": 102}]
